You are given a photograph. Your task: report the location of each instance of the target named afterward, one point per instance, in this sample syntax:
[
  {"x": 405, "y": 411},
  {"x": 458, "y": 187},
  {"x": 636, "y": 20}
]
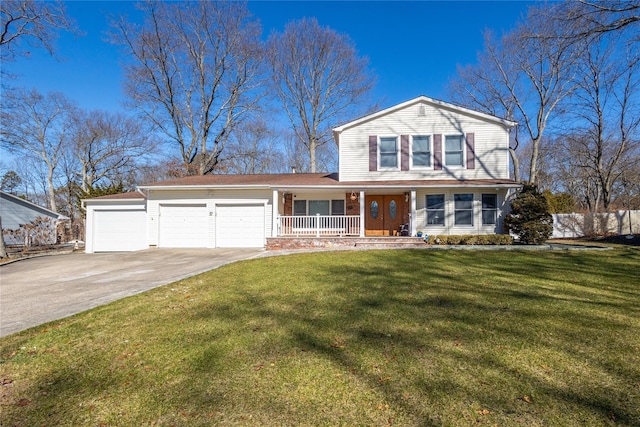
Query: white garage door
[
  {"x": 183, "y": 226},
  {"x": 240, "y": 226},
  {"x": 119, "y": 230}
]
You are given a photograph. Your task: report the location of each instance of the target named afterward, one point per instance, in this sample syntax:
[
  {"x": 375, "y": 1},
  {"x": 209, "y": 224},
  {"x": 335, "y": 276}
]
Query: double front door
[{"x": 384, "y": 214}]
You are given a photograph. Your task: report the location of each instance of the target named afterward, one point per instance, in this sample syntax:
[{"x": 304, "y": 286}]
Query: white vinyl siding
[
  {"x": 449, "y": 226},
  {"x": 491, "y": 146}
]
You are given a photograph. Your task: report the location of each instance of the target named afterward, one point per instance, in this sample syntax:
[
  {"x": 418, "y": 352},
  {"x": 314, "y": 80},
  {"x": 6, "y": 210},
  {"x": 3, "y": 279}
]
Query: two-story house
[{"x": 420, "y": 166}]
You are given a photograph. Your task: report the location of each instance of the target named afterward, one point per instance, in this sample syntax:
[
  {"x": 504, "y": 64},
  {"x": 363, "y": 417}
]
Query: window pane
[
  {"x": 318, "y": 207},
  {"x": 388, "y": 145},
  {"x": 337, "y": 207},
  {"x": 300, "y": 207},
  {"x": 421, "y": 159},
  {"x": 489, "y": 201},
  {"x": 453, "y": 159},
  {"x": 388, "y": 160},
  {"x": 420, "y": 143},
  {"x": 373, "y": 210},
  {"x": 435, "y": 217},
  {"x": 453, "y": 143},
  {"x": 435, "y": 201},
  {"x": 393, "y": 209},
  {"x": 463, "y": 201},
  {"x": 464, "y": 217},
  {"x": 489, "y": 217},
  {"x": 435, "y": 209}
]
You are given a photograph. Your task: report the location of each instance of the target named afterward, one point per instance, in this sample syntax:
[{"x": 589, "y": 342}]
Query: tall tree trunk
[{"x": 516, "y": 164}]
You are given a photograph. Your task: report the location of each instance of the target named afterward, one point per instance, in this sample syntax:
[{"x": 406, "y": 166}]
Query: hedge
[{"x": 470, "y": 239}]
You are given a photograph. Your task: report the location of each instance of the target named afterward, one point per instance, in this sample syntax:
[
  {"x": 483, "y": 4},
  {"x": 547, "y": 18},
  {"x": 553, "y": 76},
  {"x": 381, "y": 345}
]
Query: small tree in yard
[{"x": 530, "y": 218}]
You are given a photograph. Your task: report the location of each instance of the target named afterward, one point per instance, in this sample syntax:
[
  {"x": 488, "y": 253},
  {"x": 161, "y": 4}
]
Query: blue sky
[{"x": 413, "y": 47}]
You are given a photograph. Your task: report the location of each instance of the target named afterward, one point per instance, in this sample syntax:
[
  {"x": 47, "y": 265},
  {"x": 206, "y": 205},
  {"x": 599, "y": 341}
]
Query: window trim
[
  {"x": 397, "y": 140},
  {"x": 411, "y": 151},
  {"x": 330, "y": 201},
  {"x": 462, "y": 151},
  {"x": 443, "y": 210},
  {"x": 456, "y": 210},
  {"x": 494, "y": 210}
]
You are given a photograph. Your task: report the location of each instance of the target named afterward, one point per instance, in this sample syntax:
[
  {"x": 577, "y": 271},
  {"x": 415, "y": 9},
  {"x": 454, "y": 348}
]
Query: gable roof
[
  {"x": 16, "y": 211},
  {"x": 427, "y": 100}
]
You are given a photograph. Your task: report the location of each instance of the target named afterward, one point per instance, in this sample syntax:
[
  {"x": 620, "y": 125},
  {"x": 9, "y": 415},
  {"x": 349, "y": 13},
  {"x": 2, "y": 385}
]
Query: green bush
[
  {"x": 529, "y": 218},
  {"x": 471, "y": 239}
]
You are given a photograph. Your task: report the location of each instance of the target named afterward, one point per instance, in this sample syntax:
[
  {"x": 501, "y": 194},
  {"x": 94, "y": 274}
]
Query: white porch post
[
  {"x": 413, "y": 226},
  {"x": 362, "y": 207},
  {"x": 275, "y": 212}
]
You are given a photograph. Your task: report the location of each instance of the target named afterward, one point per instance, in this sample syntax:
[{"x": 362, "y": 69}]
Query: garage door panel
[
  {"x": 240, "y": 226},
  {"x": 183, "y": 226},
  {"x": 119, "y": 230}
]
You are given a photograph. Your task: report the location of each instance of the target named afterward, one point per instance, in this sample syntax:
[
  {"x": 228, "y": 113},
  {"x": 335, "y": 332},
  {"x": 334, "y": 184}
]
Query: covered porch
[{"x": 301, "y": 213}]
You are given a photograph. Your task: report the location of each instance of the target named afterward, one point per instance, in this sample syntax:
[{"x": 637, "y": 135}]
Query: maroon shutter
[
  {"x": 404, "y": 152},
  {"x": 373, "y": 153},
  {"x": 471, "y": 155},
  {"x": 437, "y": 152}
]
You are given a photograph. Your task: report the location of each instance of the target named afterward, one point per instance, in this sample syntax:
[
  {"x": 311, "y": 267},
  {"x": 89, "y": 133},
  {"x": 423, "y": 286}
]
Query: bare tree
[
  {"x": 254, "y": 148},
  {"x": 525, "y": 75},
  {"x": 37, "y": 126},
  {"x": 31, "y": 24},
  {"x": 108, "y": 146},
  {"x": 589, "y": 18},
  {"x": 485, "y": 86},
  {"x": 319, "y": 78},
  {"x": 194, "y": 73},
  {"x": 606, "y": 112}
]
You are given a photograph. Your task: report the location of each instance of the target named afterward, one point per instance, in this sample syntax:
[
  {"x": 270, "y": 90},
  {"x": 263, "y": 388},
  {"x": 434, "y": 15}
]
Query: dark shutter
[
  {"x": 404, "y": 152},
  {"x": 471, "y": 155},
  {"x": 373, "y": 153},
  {"x": 437, "y": 152}
]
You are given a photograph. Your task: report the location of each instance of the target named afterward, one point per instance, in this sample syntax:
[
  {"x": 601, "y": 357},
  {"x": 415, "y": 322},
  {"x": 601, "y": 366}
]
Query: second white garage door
[
  {"x": 183, "y": 226},
  {"x": 240, "y": 226}
]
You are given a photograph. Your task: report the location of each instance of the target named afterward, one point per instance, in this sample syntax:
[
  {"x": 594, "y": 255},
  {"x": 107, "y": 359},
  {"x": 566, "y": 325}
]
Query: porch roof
[{"x": 316, "y": 181}]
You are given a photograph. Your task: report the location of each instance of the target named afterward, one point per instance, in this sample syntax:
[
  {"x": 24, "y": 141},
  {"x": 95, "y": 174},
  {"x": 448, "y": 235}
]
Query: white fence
[
  {"x": 579, "y": 225},
  {"x": 319, "y": 225}
]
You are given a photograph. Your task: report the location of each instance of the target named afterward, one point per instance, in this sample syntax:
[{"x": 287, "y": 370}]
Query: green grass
[{"x": 424, "y": 338}]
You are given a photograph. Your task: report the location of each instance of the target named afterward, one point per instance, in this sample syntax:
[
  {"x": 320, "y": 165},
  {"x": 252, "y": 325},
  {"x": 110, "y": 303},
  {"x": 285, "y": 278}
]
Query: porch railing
[{"x": 319, "y": 225}]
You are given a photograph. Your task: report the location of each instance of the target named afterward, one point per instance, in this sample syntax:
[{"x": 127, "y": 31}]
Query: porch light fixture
[
  {"x": 406, "y": 197},
  {"x": 354, "y": 196}
]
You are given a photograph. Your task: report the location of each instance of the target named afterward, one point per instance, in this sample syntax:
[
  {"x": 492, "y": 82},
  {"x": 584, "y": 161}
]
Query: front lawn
[{"x": 404, "y": 337}]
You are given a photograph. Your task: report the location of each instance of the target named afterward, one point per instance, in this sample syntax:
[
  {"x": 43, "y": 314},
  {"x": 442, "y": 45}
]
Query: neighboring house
[
  {"x": 25, "y": 223},
  {"x": 427, "y": 165}
]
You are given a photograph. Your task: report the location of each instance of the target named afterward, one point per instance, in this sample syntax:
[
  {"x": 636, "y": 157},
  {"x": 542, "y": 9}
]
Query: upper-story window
[
  {"x": 388, "y": 152},
  {"x": 453, "y": 150},
  {"x": 421, "y": 151}
]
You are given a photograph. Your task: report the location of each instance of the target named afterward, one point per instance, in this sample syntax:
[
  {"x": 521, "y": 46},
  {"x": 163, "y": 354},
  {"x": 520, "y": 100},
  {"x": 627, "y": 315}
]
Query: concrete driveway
[{"x": 39, "y": 290}]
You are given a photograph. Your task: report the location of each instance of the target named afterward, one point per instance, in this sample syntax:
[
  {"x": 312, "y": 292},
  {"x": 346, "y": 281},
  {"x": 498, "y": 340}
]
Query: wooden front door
[{"x": 384, "y": 214}]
